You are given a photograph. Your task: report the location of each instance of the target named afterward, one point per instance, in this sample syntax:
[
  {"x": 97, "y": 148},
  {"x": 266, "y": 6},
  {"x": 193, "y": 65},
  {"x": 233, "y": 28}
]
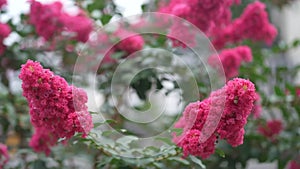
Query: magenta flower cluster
[
  {"x": 129, "y": 43},
  {"x": 271, "y": 129},
  {"x": 205, "y": 14},
  {"x": 57, "y": 110},
  {"x": 2, "y": 3},
  {"x": 4, "y": 156},
  {"x": 221, "y": 116},
  {"x": 214, "y": 18},
  {"x": 50, "y": 20},
  {"x": 294, "y": 164},
  {"x": 4, "y": 32},
  {"x": 253, "y": 24},
  {"x": 231, "y": 60}
]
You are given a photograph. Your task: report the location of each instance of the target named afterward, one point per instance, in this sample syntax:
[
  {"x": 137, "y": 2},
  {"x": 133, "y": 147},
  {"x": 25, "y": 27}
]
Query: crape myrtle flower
[{"x": 57, "y": 110}]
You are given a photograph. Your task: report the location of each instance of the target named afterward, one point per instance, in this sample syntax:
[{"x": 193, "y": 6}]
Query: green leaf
[
  {"x": 165, "y": 140},
  {"x": 278, "y": 91},
  {"x": 118, "y": 55},
  {"x": 105, "y": 19},
  {"x": 161, "y": 40},
  {"x": 97, "y": 124},
  {"x": 4, "y": 124},
  {"x": 110, "y": 121},
  {"x": 285, "y": 112},
  {"x": 152, "y": 149},
  {"x": 91, "y": 112},
  {"x": 97, "y": 5},
  {"x": 126, "y": 140},
  {"x": 158, "y": 165},
  {"x": 197, "y": 161},
  {"x": 291, "y": 88},
  {"x": 159, "y": 85},
  {"x": 104, "y": 162},
  {"x": 144, "y": 7},
  {"x": 296, "y": 43},
  {"x": 220, "y": 153},
  {"x": 179, "y": 159},
  {"x": 144, "y": 107},
  {"x": 107, "y": 133}
]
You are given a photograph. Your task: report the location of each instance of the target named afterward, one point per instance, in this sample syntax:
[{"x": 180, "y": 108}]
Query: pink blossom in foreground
[
  {"x": 193, "y": 117},
  {"x": 190, "y": 144},
  {"x": 231, "y": 60},
  {"x": 4, "y": 32},
  {"x": 271, "y": 129},
  {"x": 50, "y": 20},
  {"x": 42, "y": 140},
  {"x": 4, "y": 156},
  {"x": 240, "y": 96},
  {"x": 54, "y": 105},
  {"x": 223, "y": 114}
]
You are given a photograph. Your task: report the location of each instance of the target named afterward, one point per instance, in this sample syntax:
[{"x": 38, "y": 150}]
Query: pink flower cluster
[
  {"x": 50, "y": 20},
  {"x": 129, "y": 43},
  {"x": 240, "y": 96},
  {"x": 4, "y": 156},
  {"x": 214, "y": 18},
  {"x": 294, "y": 164},
  {"x": 191, "y": 144},
  {"x": 42, "y": 140},
  {"x": 2, "y": 3},
  {"x": 57, "y": 110},
  {"x": 4, "y": 32},
  {"x": 253, "y": 24},
  {"x": 205, "y": 14},
  {"x": 271, "y": 129},
  {"x": 231, "y": 60},
  {"x": 221, "y": 116}
]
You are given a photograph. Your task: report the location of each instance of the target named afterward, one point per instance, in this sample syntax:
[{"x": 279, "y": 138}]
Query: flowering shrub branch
[{"x": 46, "y": 122}]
